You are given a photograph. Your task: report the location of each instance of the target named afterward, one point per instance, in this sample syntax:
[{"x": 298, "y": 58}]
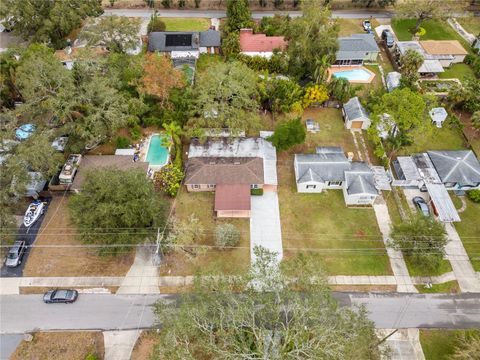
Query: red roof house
[{"x": 260, "y": 44}]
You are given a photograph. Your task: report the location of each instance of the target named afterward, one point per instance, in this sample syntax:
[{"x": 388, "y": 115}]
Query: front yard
[
  {"x": 441, "y": 344},
  {"x": 469, "y": 231},
  {"x": 353, "y": 26},
  {"x": 186, "y": 24},
  {"x": 232, "y": 261},
  {"x": 69, "y": 260}
]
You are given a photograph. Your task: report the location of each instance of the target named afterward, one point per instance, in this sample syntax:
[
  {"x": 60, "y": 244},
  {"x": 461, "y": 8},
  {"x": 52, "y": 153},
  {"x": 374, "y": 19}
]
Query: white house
[
  {"x": 438, "y": 116},
  {"x": 355, "y": 115},
  {"x": 329, "y": 168},
  {"x": 260, "y": 44}
]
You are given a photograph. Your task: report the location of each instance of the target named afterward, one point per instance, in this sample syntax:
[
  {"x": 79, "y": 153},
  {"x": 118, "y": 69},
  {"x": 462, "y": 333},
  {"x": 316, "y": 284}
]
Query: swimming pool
[
  {"x": 157, "y": 154},
  {"x": 354, "y": 75}
]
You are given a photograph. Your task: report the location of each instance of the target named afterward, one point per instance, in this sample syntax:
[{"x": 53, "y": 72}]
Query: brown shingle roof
[
  {"x": 90, "y": 162},
  {"x": 443, "y": 47},
  {"x": 222, "y": 170},
  {"x": 232, "y": 197}
]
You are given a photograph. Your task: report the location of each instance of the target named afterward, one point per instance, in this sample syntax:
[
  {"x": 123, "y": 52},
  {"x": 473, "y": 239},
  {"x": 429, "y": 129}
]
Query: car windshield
[
  {"x": 60, "y": 294},
  {"x": 12, "y": 255}
]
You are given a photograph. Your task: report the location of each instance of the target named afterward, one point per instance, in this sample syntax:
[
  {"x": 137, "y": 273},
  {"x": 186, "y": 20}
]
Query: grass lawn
[
  {"x": 186, "y": 24},
  {"x": 471, "y": 24},
  {"x": 446, "y": 138},
  {"x": 66, "y": 261},
  {"x": 457, "y": 71},
  {"x": 450, "y": 287},
  {"x": 364, "y": 89},
  {"x": 335, "y": 233},
  {"x": 231, "y": 261},
  {"x": 440, "y": 344},
  {"x": 469, "y": 231},
  {"x": 418, "y": 270},
  {"x": 353, "y": 26},
  {"x": 60, "y": 345}
]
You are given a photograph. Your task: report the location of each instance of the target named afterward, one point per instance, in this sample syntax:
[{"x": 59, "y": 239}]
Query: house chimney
[{"x": 350, "y": 156}]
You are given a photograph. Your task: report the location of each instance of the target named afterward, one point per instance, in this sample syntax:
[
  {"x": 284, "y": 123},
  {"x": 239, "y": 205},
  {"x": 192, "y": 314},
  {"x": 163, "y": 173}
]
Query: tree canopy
[
  {"x": 236, "y": 318},
  {"x": 374, "y": 3},
  {"x": 225, "y": 95},
  {"x": 116, "y": 207},
  {"x": 311, "y": 36},
  {"x": 288, "y": 134},
  {"x": 47, "y": 21},
  {"x": 238, "y": 16},
  {"x": 411, "y": 62}
]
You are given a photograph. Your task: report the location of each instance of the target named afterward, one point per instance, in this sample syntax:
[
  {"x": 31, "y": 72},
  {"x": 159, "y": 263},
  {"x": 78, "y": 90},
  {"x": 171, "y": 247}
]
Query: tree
[
  {"x": 315, "y": 94},
  {"x": 423, "y": 239},
  {"x": 238, "y": 16},
  {"x": 186, "y": 235},
  {"x": 174, "y": 131},
  {"x": 155, "y": 24},
  {"x": 235, "y": 318},
  {"x": 169, "y": 179},
  {"x": 280, "y": 95},
  {"x": 476, "y": 120},
  {"x": 225, "y": 95},
  {"x": 411, "y": 62},
  {"x": 374, "y": 3},
  {"x": 227, "y": 235},
  {"x": 341, "y": 89},
  {"x": 47, "y": 21},
  {"x": 116, "y": 208},
  {"x": 422, "y": 10},
  {"x": 276, "y": 25},
  {"x": 469, "y": 347},
  {"x": 320, "y": 73},
  {"x": 474, "y": 195},
  {"x": 160, "y": 77},
  {"x": 288, "y": 134},
  {"x": 116, "y": 33},
  {"x": 304, "y": 47},
  {"x": 231, "y": 45}
]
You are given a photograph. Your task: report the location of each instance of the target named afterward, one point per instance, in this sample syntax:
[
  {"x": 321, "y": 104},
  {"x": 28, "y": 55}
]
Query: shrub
[
  {"x": 122, "y": 142},
  {"x": 256, "y": 192},
  {"x": 315, "y": 94},
  {"x": 168, "y": 179},
  {"x": 288, "y": 134},
  {"x": 91, "y": 357},
  {"x": 421, "y": 32},
  {"x": 167, "y": 4},
  {"x": 226, "y": 235},
  {"x": 474, "y": 195},
  {"x": 156, "y": 24},
  {"x": 135, "y": 132}
]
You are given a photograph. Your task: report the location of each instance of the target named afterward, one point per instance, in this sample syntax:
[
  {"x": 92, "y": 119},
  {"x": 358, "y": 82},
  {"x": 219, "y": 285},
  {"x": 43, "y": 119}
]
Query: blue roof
[{"x": 24, "y": 131}]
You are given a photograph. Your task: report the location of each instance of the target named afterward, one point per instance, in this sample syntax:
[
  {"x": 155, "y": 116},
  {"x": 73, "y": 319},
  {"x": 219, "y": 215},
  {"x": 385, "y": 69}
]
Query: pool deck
[
  {"x": 144, "y": 151},
  {"x": 335, "y": 69}
]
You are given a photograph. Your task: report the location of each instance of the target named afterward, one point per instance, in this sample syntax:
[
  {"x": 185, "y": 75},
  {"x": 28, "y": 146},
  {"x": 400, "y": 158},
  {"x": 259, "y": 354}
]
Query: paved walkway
[
  {"x": 397, "y": 262},
  {"x": 265, "y": 229},
  {"x": 119, "y": 344},
  {"x": 404, "y": 344}
]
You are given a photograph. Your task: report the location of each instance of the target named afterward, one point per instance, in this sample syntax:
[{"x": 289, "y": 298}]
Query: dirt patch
[
  {"x": 60, "y": 345},
  {"x": 69, "y": 261},
  {"x": 175, "y": 289},
  {"x": 144, "y": 346},
  {"x": 43, "y": 289},
  {"x": 364, "y": 288}
]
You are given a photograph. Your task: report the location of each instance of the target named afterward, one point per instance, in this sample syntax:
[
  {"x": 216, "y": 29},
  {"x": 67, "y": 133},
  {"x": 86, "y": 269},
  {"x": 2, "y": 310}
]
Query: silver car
[
  {"x": 421, "y": 205},
  {"x": 14, "y": 257},
  {"x": 66, "y": 296}
]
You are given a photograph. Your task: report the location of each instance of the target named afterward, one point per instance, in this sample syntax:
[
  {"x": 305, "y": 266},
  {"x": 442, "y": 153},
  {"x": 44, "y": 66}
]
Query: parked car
[
  {"x": 65, "y": 296},
  {"x": 421, "y": 205},
  {"x": 367, "y": 25},
  {"x": 15, "y": 255},
  {"x": 387, "y": 36}
]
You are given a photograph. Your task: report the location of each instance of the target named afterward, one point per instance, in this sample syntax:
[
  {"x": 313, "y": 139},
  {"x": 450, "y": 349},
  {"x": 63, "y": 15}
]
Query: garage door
[{"x": 357, "y": 124}]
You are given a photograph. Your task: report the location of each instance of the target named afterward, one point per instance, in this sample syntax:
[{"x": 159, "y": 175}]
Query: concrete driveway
[
  {"x": 265, "y": 229},
  {"x": 411, "y": 193}
]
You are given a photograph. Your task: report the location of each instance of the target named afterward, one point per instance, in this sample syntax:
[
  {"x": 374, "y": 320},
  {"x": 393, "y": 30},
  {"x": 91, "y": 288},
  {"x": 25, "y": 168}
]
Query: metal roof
[
  {"x": 442, "y": 202},
  {"x": 431, "y": 66},
  {"x": 360, "y": 180},
  {"x": 325, "y": 167}
]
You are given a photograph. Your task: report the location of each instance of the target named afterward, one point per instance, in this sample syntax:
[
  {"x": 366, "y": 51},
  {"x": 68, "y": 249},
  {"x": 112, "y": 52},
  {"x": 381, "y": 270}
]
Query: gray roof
[
  {"x": 443, "y": 203},
  {"x": 321, "y": 167},
  {"x": 355, "y": 46},
  {"x": 393, "y": 80},
  {"x": 360, "y": 180},
  {"x": 460, "y": 166},
  {"x": 354, "y": 110},
  {"x": 329, "y": 150},
  {"x": 157, "y": 40}
]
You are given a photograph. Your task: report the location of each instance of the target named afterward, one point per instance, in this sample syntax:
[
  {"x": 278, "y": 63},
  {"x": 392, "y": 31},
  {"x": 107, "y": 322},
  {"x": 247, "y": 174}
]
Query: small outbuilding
[
  {"x": 393, "y": 80},
  {"x": 355, "y": 115},
  {"x": 312, "y": 126},
  {"x": 438, "y": 116}
]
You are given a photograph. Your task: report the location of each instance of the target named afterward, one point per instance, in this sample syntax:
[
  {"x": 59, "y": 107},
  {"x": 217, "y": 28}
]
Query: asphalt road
[
  {"x": 146, "y": 13},
  {"x": 28, "y": 235},
  {"x": 22, "y": 313}
]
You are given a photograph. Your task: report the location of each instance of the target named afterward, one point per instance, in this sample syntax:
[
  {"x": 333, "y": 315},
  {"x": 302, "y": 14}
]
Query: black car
[
  {"x": 14, "y": 257},
  {"x": 387, "y": 36},
  {"x": 421, "y": 204},
  {"x": 65, "y": 296}
]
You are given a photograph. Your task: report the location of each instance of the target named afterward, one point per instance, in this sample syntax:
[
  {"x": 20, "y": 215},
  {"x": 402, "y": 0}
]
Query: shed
[
  {"x": 393, "y": 80},
  {"x": 355, "y": 115},
  {"x": 232, "y": 200},
  {"x": 438, "y": 116},
  {"x": 312, "y": 126}
]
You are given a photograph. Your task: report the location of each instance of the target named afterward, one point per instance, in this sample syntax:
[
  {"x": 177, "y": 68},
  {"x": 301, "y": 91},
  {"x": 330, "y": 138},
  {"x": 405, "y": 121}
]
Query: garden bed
[{"x": 440, "y": 86}]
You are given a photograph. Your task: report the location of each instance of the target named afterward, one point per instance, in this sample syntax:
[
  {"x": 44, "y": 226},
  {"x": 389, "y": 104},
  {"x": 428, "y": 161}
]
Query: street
[{"x": 24, "y": 313}]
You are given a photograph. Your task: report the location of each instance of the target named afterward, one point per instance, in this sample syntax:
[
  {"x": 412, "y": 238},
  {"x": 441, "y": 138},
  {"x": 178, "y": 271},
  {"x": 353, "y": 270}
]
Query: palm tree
[
  {"x": 321, "y": 66},
  {"x": 174, "y": 131}
]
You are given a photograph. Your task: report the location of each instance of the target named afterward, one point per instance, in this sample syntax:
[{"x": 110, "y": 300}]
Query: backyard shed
[
  {"x": 312, "y": 126},
  {"x": 355, "y": 115},
  {"x": 438, "y": 116}
]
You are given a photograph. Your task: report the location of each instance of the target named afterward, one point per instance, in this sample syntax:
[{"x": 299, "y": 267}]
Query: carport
[{"x": 442, "y": 203}]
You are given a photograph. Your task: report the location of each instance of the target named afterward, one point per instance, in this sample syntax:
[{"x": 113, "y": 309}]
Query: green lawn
[
  {"x": 436, "y": 30},
  {"x": 471, "y": 24},
  {"x": 377, "y": 83},
  {"x": 457, "y": 71},
  {"x": 353, "y": 26},
  {"x": 346, "y": 241},
  {"x": 469, "y": 231},
  {"x": 418, "y": 270},
  {"x": 232, "y": 261},
  {"x": 450, "y": 287},
  {"x": 441, "y": 344},
  {"x": 186, "y": 24}
]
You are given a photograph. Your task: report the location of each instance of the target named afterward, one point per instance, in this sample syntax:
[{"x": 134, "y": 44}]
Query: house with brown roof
[
  {"x": 231, "y": 168},
  {"x": 447, "y": 52},
  {"x": 260, "y": 44}
]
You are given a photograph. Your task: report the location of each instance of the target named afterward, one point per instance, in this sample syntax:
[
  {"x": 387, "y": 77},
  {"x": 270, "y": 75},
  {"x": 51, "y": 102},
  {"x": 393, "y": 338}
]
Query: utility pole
[{"x": 157, "y": 258}]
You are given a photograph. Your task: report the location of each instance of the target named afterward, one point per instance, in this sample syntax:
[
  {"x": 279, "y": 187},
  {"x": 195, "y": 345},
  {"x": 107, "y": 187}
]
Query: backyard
[
  {"x": 457, "y": 71},
  {"x": 186, "y": 24},
  {"x": 232, "y": 261},
  {"x": 70, "y": 260},
  {"x": 469, "y": 231},
  {"x": 441, "y": 344}
]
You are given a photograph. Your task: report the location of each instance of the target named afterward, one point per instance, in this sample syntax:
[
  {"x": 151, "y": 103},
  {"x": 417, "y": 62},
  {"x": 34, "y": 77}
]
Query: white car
[{"x": 367, "y": 26}]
